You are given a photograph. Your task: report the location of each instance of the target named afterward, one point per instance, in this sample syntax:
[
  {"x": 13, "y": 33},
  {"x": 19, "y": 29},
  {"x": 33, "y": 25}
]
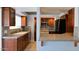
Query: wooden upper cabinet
[
  {"x": 8, "y": 16},
  {"x": 23, "y": 21},
  {"x": 12, "y": 17}
]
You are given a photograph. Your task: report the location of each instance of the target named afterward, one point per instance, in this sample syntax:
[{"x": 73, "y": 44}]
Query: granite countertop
[{"x": 15, "y": 35}]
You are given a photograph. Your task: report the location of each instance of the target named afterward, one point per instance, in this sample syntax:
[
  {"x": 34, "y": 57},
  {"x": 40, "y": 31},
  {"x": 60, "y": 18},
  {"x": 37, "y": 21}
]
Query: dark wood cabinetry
[
  {"x": 22, "y": 42},
  {"x": 23, "y": 21},
  {"x": 9, "y": 45},
  {"x": 47, "y": 22},
  {"x": 69, "y": 20},
  {"x": 8, "y": 16},
  {"x": 16, "y": 44},
  {"x": 12, "y": 17}
]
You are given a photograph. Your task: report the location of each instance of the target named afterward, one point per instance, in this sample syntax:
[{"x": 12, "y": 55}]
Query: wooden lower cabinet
[
  {"x": 18, "y": 44},
  {"x": 9, "y": 45},
  {"x": 22, "y": 42}
]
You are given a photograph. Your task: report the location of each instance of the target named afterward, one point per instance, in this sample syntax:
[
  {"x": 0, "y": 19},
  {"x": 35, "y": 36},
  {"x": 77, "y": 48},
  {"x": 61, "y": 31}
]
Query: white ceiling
[
  {"x": 21, "y": 10},
  {"x": 54, "y": 10},
  {"x": 44, "y": 10}
]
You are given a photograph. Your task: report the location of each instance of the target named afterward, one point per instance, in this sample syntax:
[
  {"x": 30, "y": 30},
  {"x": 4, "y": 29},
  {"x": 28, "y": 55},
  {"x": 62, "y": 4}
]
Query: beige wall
[{"x": 30, "y": 22}]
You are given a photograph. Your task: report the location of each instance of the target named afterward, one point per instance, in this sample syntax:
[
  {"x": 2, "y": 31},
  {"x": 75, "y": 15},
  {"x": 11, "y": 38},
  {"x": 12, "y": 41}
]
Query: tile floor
[
  {"x": 49, "y": 37},
  {"x": 31, "y": 47},
  {"x": 54, "y": 45}
]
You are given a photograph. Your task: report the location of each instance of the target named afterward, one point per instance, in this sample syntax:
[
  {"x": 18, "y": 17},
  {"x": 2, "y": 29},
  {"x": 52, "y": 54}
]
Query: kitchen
[
  {"x": 17, "y": 33},
  {"x": 30, "y": 28},
  {"x": 58, "y": 24}
]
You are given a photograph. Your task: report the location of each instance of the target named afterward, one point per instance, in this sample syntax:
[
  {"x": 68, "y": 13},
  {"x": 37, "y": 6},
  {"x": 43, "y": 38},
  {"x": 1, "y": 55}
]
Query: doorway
[{"x": 34, "y": 28}]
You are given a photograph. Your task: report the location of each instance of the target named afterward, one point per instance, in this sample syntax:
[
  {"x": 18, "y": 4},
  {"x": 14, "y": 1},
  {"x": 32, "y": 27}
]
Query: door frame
[
  {"x": 35, "y": 28},
  {"x": 0, "y": 29}
]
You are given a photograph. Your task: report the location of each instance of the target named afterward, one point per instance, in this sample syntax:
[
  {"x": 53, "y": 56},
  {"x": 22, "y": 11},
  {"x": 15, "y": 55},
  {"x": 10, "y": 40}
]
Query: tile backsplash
[
  {"x": 7, "y": 31},
  {"x": 11, "y": 31}
]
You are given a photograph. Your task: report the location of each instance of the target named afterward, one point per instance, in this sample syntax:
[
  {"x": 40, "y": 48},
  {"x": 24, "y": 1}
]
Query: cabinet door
[
  {"x": 23, "y": 21},
  {"x": 5, "y": 16},
  {"x": 12, "y": 17},
  {"x": 22, "y": 42},
  {"x": 19, "y": 44},
  {"x": 8, "y": 16},
  {"x": 9, "y": 45}
]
